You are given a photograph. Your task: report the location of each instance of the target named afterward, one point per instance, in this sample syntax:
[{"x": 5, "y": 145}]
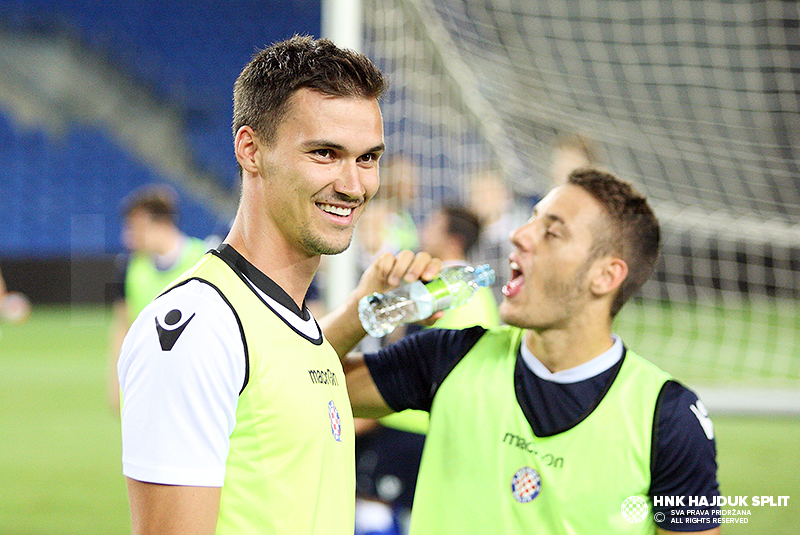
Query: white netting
[{"x": 696, "y": 102}]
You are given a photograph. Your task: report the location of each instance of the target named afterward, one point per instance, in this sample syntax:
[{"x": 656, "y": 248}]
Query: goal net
[{"x": 696, "y": 103}]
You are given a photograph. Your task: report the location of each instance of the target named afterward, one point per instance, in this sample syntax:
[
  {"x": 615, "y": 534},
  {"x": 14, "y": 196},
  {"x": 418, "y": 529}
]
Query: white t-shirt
[{"x": 181, "y": 369}]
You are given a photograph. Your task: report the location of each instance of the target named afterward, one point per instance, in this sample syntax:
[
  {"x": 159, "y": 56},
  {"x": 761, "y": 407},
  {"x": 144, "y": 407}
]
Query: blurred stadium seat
[
  {"x": 64, "y": 173},
  {"x": 188, "y": 57}
]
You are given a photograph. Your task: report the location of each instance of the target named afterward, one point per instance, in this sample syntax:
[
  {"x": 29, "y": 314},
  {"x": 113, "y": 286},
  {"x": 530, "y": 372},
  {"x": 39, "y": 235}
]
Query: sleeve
[
  {"x": 181, "y": 369},
  {"x": 684, "y": 467},
  {"x": 408, "y": 372}
]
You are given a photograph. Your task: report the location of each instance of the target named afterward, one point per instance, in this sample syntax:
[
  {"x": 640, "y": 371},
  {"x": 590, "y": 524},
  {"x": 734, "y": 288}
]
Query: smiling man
[
  {"x": 235, "y": 415},
  {"x": 550, "y": 424}
]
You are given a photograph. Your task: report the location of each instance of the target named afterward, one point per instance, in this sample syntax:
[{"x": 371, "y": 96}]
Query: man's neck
[
  {"x": 561, "y": 350},
  {"x": 582, "y": 372},
  {"x": 169, "y": 250},
  {"x": 292, "y": 271}
]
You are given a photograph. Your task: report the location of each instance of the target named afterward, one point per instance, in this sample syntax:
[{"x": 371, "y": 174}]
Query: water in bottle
[{"x": 380, "y": 313}]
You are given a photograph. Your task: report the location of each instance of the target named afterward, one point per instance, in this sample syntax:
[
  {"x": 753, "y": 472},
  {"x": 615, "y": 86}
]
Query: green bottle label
[{"x": 442, "y": 299}]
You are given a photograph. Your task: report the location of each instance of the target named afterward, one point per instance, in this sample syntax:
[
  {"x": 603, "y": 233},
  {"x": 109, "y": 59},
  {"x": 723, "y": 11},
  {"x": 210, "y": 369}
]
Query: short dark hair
[
  {"x": 634, "y": 233},
  {"x": 272, "y": 76},
  {"x": 464, "y": 224},
  {"x": 159, "y": 202}
]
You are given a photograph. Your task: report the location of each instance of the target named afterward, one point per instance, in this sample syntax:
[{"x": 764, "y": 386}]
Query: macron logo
[{"x": 167, "y": 337}]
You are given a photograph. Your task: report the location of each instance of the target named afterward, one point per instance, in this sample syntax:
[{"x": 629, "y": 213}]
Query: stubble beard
[
  {"x": 564, "y": 298},
  {"x": 318, "y": 245}
]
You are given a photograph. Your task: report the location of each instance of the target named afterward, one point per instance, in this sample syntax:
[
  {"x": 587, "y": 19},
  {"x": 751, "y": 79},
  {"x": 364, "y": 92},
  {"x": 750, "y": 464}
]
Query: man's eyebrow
[
  {"x": 377, "y": 148},
  {"x": 549, "y": 216},
  {"x": 555, "y": 218},
  {"x": 321, "y": 143},
  {"x": 317, "y": 143}
]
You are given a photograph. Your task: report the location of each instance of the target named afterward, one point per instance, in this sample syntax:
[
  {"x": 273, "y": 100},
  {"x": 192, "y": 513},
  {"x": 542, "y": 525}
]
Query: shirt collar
[{"x": 587, "y": 370}]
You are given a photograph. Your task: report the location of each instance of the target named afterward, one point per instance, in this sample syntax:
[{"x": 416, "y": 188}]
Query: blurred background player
[
  {"x": 3, "y": 289},
  {"x": 500, "y": 213},
  {"x": 451, "y": 234},
  {"x": 389, "y": 450},
  {"x": 15, "y": 307},
  {"x": 572, "y": 151},
  {"x": 388, "y": 224},
  {"x": 158, "y": 253}
]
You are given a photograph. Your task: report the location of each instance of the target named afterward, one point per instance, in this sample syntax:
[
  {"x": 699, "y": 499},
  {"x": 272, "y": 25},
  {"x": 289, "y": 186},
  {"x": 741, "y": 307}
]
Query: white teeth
[
  {"x": 514, "y": 266},
  {"x": 336, "y": 209}
]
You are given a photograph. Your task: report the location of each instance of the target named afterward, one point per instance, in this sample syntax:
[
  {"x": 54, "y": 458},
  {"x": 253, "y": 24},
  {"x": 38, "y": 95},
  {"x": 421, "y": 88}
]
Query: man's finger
[{"x": 403, "y": 261}]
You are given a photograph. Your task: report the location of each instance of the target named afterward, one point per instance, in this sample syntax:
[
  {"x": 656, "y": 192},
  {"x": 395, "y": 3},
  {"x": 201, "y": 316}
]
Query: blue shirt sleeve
[
  {"x": 408, "y": 372},
  {"x": 684, "y": 467}
]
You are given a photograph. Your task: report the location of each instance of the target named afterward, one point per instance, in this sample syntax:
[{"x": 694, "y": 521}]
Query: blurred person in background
[
  {"x": 15, "y": 307},
  {"x": 451, "y": 234},
  {"x": 389, "y": 225},
  {"x": 3, "y": 288},
  {"x": 158, "y": 252},
  {"x": 549, "y": 424},
  {"x": 235, "y": 416},
  {"x": 572, "y": 151},
  {"x": 389, "y": 450},
  {"x": 500, "y": 213}
]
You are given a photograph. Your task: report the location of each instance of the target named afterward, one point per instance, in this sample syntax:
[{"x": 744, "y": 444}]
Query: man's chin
[
  {"x": 507, "y": 313},
  {"x": 330, "y": 247},
  {"x": 335, "y": 251}
]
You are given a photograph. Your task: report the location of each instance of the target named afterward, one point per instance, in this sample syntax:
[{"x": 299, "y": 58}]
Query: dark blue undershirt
[{"x": 683, "y": 462}]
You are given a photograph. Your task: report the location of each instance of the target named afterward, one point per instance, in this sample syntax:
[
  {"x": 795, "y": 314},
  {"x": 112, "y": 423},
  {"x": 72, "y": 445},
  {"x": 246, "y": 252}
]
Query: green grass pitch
[{"x": 60, "y": 468}]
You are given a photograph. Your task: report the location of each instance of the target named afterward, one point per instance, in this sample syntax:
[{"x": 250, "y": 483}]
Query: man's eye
[{"x": 324, "y": 153}]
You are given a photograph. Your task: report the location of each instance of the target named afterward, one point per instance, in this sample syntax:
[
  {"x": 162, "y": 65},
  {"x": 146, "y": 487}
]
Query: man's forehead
[
  {"x": 569, "y": 203},
  {"x": 305, "y": 97},
  {"x": 312, "y": 110}
]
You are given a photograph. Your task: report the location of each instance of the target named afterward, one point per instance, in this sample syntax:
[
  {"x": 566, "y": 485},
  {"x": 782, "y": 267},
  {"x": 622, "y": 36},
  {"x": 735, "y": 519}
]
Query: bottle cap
[{"x": 484, "y": 275}]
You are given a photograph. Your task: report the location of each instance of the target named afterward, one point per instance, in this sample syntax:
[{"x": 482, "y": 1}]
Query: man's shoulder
[
  {"x": 682, "y": 412},
  {"x": 193, "y": 288},
  {"x": 645, "y": 368},
  {"x": 502, "y": 335},
  {"x": 192, "y": 300}
]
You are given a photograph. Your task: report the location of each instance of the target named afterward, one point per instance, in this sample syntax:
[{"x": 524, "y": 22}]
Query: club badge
[
  {"x": 336, "y": 422},
  {"x": 526, "y": 484}
]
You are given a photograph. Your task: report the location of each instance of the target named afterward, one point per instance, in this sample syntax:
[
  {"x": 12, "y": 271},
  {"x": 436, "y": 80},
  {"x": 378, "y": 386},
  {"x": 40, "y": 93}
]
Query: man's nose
[{"x": 350, "y": 182}]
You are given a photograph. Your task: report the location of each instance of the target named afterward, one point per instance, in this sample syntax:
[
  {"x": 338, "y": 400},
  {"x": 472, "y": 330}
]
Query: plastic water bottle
[{"x": 380, "y": 314}]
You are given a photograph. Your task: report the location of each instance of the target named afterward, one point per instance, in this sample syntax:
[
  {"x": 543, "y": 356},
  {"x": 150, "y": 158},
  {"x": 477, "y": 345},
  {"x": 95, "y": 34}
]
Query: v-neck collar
[{"x": 271, "y": 294}]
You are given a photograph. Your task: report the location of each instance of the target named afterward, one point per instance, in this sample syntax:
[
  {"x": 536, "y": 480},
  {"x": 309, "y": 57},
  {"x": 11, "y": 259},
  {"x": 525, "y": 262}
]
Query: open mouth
[
  {"x": 340, "y": 211},
  {"x": 513, "y": 286}
]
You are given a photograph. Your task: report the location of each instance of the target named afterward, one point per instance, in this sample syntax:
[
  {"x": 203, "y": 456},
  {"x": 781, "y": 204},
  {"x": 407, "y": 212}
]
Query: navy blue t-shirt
[{"x": 683, "y": 463}]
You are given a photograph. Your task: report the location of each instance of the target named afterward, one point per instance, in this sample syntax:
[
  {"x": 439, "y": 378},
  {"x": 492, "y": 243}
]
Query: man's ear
[
  {"x": 612, "y": 271},
  {"x": 246, "y": 147}
]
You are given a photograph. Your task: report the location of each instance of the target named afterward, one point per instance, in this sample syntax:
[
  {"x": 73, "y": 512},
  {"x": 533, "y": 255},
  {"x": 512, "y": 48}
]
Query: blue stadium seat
[{"x": 188, "y": 55}]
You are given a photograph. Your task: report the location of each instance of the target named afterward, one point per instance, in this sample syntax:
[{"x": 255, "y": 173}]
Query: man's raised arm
[{"x": 343, "y": 329}]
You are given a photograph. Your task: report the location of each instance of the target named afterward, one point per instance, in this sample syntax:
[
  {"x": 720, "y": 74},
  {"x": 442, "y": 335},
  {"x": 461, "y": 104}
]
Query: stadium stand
[
  {"x": 186, "y": 57},
  {"x": 64, "y": 169}
]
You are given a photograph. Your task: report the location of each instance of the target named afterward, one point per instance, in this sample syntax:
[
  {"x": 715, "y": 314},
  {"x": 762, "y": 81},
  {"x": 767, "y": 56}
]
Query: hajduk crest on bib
[
  {"x": 336, "y": 422},
  {"x": 526, "y": 484}
]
